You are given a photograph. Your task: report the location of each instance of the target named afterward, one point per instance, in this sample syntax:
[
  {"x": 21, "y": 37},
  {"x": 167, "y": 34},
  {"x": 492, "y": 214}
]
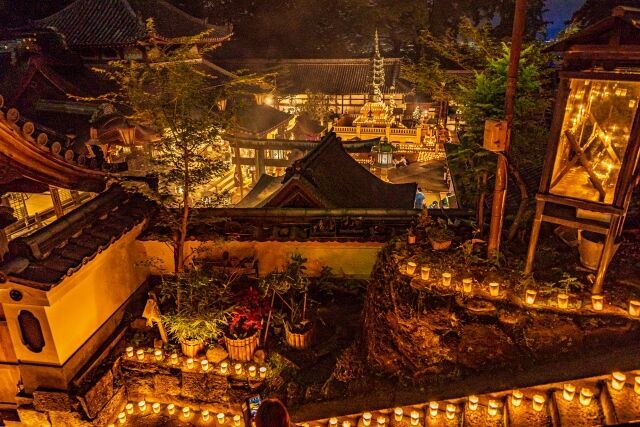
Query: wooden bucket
[
  {"x": 242, "y": 350},
  {"x": 191, "y": 348},
  {"x": 299, "y": 341},
  {"x": 440, "y": 246}
]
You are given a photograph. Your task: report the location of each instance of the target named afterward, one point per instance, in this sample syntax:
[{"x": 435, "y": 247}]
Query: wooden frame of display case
[{"x": 618, "y": 60}]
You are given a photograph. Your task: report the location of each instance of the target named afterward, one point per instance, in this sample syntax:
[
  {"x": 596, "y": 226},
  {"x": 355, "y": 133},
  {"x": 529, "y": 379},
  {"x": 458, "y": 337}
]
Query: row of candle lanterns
[
  {"x": 187, "y": 412},
  {"x": 205, "y": 366},
  {"x": 597, "y": 301}
]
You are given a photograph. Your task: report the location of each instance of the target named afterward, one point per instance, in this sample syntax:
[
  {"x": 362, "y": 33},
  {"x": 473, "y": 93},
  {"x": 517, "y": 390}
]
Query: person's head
[
  {"x": 419, "y": 189},
  {"x": 272, "y": 413}
]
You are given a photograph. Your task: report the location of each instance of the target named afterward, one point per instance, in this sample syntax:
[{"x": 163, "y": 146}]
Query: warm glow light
[
  {"x": 433, "y": 409},
  {"x": 142, "y": 405},
  {"x": 333, "y": 422},
  {"x": 411, "y": 268},
  {"x": 122, "y": 418},
  {"x": 467, "y": 285},
  {"x": 205, "y": 365},
  {"x": 473, "y": 402},
  {"x": 415, "y": 417},
  {"x": 252, "y": 371},
  {"x": 220, "y": 417},
  {"x": 563, "y": 300},
  {"x": 158, "y": 355},
  {"x": 224, "y": 366},
  {"x": 597, "y": 301},
  {"x": 398, "y": 414},
  {"x": 236, "y": 420},
  {"x": 634, "y": 308},
  {"x": 156, "y": 407},
  {"x": 171, "y": 408},
  {"x": 186, "y": 412},
  {"x": 585, "y": 396},
  {"x": 424, "y": 272},
  {"x": 205, "y": 415},
  {"x": 538, "y": 402},
  {"x": 263, "y": 372},
  {"x": 617, "y": 380},
  {"x": 531, "y": 296},
  {"x": 381, "y": 421},
  {"x": 568, "y": 392},
  {"x": 140, "y": 354},
  {"x": 129, "y": 408},
  {"x": 129, "y": 351},
  {"x": 636, "y": 384},
  {"x": 494, "y": 289},
  {"x": 451, "y": 411},
  {"x": 516, "y": 398},
  {"x": 346, "y": 424},
  {"x": 446, "y": 279},
  {"x": 366, "y": 418},
  {"x": 190, "y": 363},
  {"x": 492, "y": 409},
  {"x": 174, "y": 358},
  {"x": 238, "y": 368}
]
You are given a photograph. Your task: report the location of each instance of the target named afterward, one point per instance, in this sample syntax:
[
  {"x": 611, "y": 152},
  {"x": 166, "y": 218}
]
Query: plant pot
[
  {"x": 411, "y": 240},
  {"x": 590, "y": 247},
  {"x": 242, "y": 349},
  {"x": 300, "y": 341},
  {"x": 191, "y": 348},
  {"x": 440, "y": 245}
]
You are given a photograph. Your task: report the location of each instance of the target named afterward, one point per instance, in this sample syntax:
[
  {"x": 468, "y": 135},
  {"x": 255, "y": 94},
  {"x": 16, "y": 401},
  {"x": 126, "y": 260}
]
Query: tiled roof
[
  {"x": 260, "y": 119},
  {"x": 333, "y": 179},
  {"x": 123, "y": 22},
  {"x": 45, "y": 257},
  {"x": 328, "y": 76}
]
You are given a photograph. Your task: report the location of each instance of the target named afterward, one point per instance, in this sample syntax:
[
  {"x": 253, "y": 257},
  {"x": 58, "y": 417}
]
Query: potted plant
[
  {"x": 440, "y": 235},
  {"x": 245, "y": 323},
  {"x": 197, "y": 309}
]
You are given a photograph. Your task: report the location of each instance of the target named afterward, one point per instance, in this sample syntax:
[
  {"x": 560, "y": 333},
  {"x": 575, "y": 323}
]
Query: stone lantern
[
  {"x": 591, "y": 166},
  {"x": 384, "y": 158}
]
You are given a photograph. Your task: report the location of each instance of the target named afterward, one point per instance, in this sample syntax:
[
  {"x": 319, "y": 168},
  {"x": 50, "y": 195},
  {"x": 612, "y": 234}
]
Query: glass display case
[{"x": 593, "y": 141}]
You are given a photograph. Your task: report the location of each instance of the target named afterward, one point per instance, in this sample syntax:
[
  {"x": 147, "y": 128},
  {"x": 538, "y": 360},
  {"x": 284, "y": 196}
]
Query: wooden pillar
[
  {"x": 238, "y": 174},
  {"x": 260, "y": 166},
  {"x": 57, "y": 203},
  {"x": 533, "y": 241},
  {"x": 75, "y": 196},
  {"x": 607, "y": 252},
  {"x": 4, "y": 243}
]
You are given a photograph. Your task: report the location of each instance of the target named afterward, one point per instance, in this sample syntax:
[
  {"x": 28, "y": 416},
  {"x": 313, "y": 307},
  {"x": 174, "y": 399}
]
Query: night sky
[{"x": 559, "y": 12}]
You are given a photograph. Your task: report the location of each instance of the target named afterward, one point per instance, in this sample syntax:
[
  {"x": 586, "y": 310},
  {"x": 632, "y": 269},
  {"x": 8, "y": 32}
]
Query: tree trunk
[{"x": 524, "y": 200}]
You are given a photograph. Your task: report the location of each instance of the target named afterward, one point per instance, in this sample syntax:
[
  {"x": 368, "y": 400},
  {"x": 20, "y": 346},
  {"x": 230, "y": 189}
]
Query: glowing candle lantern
[
  {"x": 174, "y": 358},
  {"x": 473, "y": 402},
  {"x": 530, "y": 297},
  {"x": 597, "y": 302},
  {"x": 333, "y": 422},
  {"x": 366, "y": 418},
  {"x": 111, "y": 425},
  {"x": 450, "y": 411},
  {"x": 346, "y": 424},
  {"x": 636, "y": 384},
  {"x": 516, "y": 398},
  {"x": 205, "y": 415},
  {"x": 252, "y": 371},
  {"x": 186, "y": 412},
  {"x": 224, "y": 367},
  {"x": 568, "y": 392},
  {"x": 424, "y": 272},
  {"x": 142, "y": 405},
  {"x": 433, "y": 409},
  {"x": 129, "y": 408},
  {"x": 617, "y": 380},
  {"x": 415, "y": 417},
  {"x": 238, "y": 368},
  {"x": 220, "y": 417},
  {"x": 585, "y": 396},
  {"x": 155, "y": 407},
  {"x": 263, "y": 372},
  {"x": 122, "y": 418},
  {"x": 140, "y": 354},
  {"x": 129, "y": 351},
  {"x": 467, "y": 285},
  {"x": 494, "y": 289},
  {"x": 190, "y": 363},
  {"x": 492, "y": 409},
  {"x": 204, "y": 364},
  {"x": 538, "y": 402},
  {"x": 411, "y": 268},
  {"x": 171, "y": 408},
  {"x": 446, "y": 279},
  {"x": 563, "y": 301},
  {"x": 236, "y": 420},
  {"x": 398, "y": 414},
  {"x": 158, "y": 355},
  {"x": 381, "y": 421},
  {"x": 634, "y": 308}
]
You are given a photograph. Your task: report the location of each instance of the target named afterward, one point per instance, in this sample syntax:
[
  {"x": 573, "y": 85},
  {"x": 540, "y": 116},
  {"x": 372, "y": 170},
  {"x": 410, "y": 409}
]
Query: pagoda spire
[{"x": 377, "y": 72}]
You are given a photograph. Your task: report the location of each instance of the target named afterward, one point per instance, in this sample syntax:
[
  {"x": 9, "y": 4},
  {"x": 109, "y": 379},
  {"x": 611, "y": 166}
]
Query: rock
[
  {"x": 294, "y": 394},
  {"x": 216, "y": 354},
  {"x": 549, "y": 335},
  {"x": 98, "y": 395},
  {"x": 259, "y": 357},
  {"x": 139, "y": 324},
  {"x": 67, "y": 419},
  {"x": 52, "y": 401},
  {"x": 166, "y": 384},
  {"x": 33, "y": 418},
  {"x": 312, "y": 393},
  {"x": 208, "y": 387},
  {"x": 112, "y": 408},
  {"x": 158, "y": 343},
  {"x": 484, "y": 345},
  {"x": 138, "y": 384}
]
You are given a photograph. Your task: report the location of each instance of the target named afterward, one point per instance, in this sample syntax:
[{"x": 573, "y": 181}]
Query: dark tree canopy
[{"x": 594, "y": 10}]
